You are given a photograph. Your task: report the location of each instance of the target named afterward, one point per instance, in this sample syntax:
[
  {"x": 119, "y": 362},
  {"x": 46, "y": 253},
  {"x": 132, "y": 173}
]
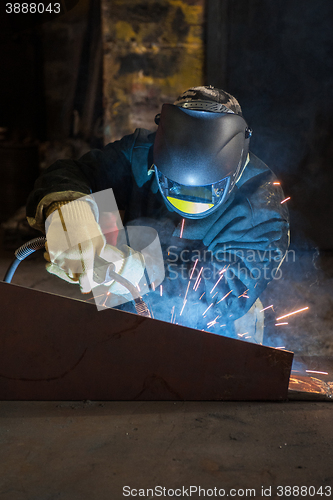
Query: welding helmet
[{"x": 200, "y": 150}]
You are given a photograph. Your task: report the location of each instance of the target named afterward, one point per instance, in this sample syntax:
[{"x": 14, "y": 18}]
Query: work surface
[{"x": 91, "y": 450}]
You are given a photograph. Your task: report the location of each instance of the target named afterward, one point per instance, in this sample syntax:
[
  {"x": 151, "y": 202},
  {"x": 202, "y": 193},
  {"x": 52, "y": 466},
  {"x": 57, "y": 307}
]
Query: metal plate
[{"x": 56, "y": 348}]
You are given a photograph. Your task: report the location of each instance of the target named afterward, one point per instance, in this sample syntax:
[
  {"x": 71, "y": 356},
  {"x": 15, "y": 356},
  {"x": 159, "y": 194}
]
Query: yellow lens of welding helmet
[{"x": 189, "y": 207}]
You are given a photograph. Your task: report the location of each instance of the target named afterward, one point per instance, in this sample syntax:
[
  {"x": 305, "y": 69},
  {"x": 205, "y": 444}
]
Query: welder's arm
[
  {"x": 67, "y": 180},
  {"x": 74, "y": 238}
]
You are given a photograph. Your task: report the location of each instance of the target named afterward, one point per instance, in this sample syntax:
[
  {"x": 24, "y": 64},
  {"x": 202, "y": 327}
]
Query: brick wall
[{"x": 153, "y": 51}]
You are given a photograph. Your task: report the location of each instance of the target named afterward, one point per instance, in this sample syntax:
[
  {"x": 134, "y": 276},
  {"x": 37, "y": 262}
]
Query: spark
[
  {"x": 290, "y": 314},
  {"x": 182, "y": 229},
  {"x": 161, "y": 290},
  {"x": 106, "y": 298},
  {"x": 195, "y": 263},
  {"x": 224, "y": 269},
  {"x": 101, "y": 295},
  {"x": 215, "y": 294},
  {"x": 211, "y": 323},
  {"x": 202, "y": 296},
  {"x": 172, "y": 311},
  {"x": 281, "y": 347},
  {"x": 137, "y": 285},
  {"x": 222, "y": 325},
  {"x": 276, "y": 183},
  {"x": 248, "y": 337},
  {"x": 198, "y": 278},
  {"x": 268, "y": 307},
  {"x": 279, "y": 324},
  {"x": 244, "y": 294},
  {"x": 218, "y": 281},
  {"x": 197, "y": 285},
  {"x": 188, "y": 286},
  {"x": 226, "y": 295},
  {"x": 207, "y": 309},
  {"x": 314, "y": 371},
  {"x": 183, "y": 307},
  {"x": 286, "y": 199},
  {"x": 153, "y": 286},
  {"x": 242, "y": 334}
]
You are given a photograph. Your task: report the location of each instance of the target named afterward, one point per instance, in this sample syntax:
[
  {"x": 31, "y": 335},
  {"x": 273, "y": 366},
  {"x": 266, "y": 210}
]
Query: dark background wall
[{"x": 276, "y": 57}]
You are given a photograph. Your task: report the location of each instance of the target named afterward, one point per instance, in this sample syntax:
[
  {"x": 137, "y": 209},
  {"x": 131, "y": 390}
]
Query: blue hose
[{"x": 23, "y": 252}]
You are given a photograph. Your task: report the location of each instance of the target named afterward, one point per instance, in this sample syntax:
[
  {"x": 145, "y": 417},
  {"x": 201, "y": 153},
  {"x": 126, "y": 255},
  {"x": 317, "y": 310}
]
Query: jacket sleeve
[
  {"x": 248, "y": 242},
  {"x": 67, "y": 180}
]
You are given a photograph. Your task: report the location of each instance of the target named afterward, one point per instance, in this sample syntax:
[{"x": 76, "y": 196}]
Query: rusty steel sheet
[{"x": 56, "y": 348}]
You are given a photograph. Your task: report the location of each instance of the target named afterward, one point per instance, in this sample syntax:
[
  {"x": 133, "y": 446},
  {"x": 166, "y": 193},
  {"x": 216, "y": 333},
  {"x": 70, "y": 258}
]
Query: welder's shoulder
[
  {"x": 262, "y": 191},
  {"x": 256, "y": 171}
]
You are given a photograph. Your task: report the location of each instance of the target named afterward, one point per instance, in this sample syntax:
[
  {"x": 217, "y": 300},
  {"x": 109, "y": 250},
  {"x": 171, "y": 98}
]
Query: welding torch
[{"x": 103, "y": 272}]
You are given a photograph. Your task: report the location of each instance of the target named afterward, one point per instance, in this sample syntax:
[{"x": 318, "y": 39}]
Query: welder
[{"x": 196, "y": 181}]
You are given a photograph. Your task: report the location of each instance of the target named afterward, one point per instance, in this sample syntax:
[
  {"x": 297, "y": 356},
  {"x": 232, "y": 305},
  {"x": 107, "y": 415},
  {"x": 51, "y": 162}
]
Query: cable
[
  {"x": 38, "y": 243},
  {"x": 21, "y": 253}
]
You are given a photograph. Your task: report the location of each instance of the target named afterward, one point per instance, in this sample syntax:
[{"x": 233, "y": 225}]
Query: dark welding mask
[{"x": 200, "y": 151}]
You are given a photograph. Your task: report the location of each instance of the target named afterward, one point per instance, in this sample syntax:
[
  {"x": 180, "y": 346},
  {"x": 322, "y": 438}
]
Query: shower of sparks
[
  {"x": 161, "y": 290},
  {"x": 197, "y": 285},
  {"x": 292, "y": 313},
  {"x": 286, "y": 199},
  {"x": 202, "y": 296},
  {"x": 244, "y": 294},
  {"x": 153, "y": 286},
  {"x": 197, "y": 278},
  {"x": 268, "y": 307},
  {"x": 195, "y": 263},
  {"x": 276, "y": 183},
  {"x": 212, "y": 323},
  {"x": 314, "y": 371},
  {"x": 218, "y": 281},
  {"x": 226, "y": 295},
  {"x": 242, "y": 334},
  {"x": 182, "y": 229},
  {"x": 207, "y": 309},
  {"x": 183, "y": 307},
  {"x": 279, "y": 324}
]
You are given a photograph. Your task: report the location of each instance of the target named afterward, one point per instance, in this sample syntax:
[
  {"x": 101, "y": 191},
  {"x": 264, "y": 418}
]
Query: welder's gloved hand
[
  {"x": 132, "y": 268},
  {"x": 73, "y": 239}
]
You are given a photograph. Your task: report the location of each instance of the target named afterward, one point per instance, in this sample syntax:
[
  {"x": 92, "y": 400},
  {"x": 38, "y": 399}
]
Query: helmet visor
[{"x": 192, "y": 201}]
